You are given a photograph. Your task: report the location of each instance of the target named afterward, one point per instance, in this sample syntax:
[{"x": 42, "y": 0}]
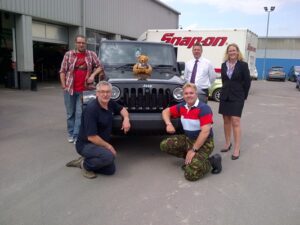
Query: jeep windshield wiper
[
  {"x": 162, "y": 66},
  {"x": 125, "y": 66}
]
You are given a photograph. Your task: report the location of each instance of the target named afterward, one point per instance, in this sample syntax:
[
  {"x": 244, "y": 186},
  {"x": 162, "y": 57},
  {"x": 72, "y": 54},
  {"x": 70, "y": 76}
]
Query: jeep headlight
[
  {"x": 88, "y": 96},
  {"x": 178, "y": 94},
  {"x": 115, "y": 94}
]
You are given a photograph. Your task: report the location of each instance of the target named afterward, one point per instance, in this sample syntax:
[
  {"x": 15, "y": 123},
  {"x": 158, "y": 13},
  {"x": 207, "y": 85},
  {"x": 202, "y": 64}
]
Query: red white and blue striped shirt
[{"x": 193, "y": 118}]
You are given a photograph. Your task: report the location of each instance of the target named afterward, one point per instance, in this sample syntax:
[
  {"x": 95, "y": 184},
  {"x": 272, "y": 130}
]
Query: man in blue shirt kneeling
[{"x": 97, "y": 154}]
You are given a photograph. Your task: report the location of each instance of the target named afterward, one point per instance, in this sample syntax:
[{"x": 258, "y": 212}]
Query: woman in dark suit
[{"x": 236, "y": 84}]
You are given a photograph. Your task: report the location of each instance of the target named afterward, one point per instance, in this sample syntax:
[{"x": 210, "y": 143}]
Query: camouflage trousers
[{"x": 178, "y": 145}]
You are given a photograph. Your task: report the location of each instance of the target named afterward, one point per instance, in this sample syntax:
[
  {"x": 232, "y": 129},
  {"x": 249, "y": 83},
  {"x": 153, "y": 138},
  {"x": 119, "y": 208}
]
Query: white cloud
[
  {"x": 247, "y": 7},
  {"x": 193, "y": 26},
  {"x": 168, "y": 1}
]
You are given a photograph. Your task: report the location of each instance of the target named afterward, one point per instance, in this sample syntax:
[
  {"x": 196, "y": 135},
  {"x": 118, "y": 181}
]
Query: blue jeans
[
  {"x": 97, "y": 159},
  {"x": 74, "y": 110}
]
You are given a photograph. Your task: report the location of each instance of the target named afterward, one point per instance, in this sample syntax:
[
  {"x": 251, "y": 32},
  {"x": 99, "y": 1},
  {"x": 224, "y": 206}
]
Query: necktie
[{"x": 194, "y": 72}]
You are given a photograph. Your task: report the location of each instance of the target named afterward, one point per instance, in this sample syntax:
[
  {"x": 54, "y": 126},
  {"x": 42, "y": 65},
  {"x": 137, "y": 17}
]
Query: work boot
[
  {"x": 75, "y": 162},
  {"x": 216, "y": 163},
  {"x": 86, "y": 173}
]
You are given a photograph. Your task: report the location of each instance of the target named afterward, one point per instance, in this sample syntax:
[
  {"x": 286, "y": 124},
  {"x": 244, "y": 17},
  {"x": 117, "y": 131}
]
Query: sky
[{"x": 250, "y": 14}]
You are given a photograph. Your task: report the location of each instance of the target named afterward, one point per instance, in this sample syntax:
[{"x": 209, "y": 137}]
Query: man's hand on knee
[
  {"x": 189, "y": 157},
  {"x": 111, "y": 148}
]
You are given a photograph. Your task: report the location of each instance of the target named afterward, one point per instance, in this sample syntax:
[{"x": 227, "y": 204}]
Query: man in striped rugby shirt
[{"x": 196, "y": 145}]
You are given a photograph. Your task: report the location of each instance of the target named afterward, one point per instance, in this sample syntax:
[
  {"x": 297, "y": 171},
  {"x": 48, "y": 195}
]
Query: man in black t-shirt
[{"x": 97, "y": 154}]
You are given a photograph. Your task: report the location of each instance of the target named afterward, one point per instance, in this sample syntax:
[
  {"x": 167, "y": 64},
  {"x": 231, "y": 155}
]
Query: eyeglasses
[{"x": 104, "y": 92}]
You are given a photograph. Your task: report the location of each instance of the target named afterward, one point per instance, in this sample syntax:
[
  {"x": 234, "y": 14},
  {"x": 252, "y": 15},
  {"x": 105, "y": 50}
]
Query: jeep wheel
[{"x": 216, "y": 94}]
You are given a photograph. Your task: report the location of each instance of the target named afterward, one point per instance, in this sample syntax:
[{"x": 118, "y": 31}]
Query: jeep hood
[{"x": 161, "y": 74}]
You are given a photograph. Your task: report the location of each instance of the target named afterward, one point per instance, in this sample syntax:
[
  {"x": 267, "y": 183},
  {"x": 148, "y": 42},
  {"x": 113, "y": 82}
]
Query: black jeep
[{"x": 143, "y": 98}]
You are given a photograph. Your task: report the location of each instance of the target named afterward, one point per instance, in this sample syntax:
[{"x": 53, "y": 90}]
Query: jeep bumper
[{"x": 145, "y": 123}]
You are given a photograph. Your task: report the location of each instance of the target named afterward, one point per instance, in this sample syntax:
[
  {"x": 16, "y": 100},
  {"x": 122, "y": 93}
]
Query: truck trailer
[{"x": 214, "y": 42}]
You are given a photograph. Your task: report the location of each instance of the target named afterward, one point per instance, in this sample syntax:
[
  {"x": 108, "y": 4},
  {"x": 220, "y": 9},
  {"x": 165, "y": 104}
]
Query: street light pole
[{"x": 266, "y": 41}]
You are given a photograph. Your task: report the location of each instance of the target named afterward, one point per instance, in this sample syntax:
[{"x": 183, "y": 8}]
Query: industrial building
[
  {"x": 35, "y": 34},
  {"x": 277, "y": 51}
]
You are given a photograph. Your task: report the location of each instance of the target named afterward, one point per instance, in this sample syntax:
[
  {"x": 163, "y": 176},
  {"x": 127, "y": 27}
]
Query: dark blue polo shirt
[{"x": 96, "y": 120}]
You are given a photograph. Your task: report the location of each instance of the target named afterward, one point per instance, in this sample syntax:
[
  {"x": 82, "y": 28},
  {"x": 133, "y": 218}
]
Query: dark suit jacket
[{"x": 236, "y": 88}]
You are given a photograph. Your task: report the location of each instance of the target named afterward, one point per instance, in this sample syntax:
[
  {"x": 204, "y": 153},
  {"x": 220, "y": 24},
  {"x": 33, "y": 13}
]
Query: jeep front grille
[{"x": 146, "y": 99}]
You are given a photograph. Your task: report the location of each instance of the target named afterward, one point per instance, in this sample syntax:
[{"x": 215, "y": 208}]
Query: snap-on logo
[{"x": 190, "y": 41}]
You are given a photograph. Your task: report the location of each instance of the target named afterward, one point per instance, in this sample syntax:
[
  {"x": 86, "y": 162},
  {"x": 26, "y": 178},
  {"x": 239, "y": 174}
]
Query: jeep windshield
[{"x": 119, "y": 58}]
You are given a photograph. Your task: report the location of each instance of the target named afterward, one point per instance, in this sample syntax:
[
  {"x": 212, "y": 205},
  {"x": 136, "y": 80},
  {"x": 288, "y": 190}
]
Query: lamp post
[{"x": 272, "y": 8}]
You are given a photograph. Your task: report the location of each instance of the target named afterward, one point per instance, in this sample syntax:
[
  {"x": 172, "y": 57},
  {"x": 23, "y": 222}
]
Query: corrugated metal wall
[
  {"x": 128, "y": 18},
  {"x": 284, "y": 48},
  {"x": 279, "y": 53},
  {"x": 63, "y": 11},
  {"x": 280, "y": 43}
]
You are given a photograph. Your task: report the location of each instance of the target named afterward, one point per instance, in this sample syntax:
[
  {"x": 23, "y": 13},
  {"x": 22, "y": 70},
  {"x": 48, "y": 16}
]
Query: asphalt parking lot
[{"x": 262, "y": 187}]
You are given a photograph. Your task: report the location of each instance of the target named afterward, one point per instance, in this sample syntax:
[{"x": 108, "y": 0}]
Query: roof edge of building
[
  {"x": 279, "y": 37},
  {"x": 166, "y": 6}
]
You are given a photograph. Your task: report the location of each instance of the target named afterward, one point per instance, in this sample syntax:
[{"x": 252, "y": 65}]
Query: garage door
[{"x": 45, "y": 32}]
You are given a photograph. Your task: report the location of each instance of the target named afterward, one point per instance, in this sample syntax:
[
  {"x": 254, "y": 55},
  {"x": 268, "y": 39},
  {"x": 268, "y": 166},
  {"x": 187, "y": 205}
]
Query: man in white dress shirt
[{"x": 201, "y": 72}]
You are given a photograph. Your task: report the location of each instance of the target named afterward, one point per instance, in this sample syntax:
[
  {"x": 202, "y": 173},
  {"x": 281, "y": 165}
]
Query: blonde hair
[
  {"x": 240, "y": 55},
  {"x": 190, "y": 85}
]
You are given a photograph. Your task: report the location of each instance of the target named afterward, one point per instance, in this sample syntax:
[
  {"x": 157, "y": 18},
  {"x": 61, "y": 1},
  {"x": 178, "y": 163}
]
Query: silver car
[{"x": 276, "y": 72}]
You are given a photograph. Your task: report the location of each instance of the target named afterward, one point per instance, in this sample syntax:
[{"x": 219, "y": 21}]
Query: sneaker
[
  {"x": 216, "y": 163},
  {"x": 74, "y": 141},
  {"x": 70, "y": 139},
  {"x": 75, "y": 162},
  {"x": 86, "y": 173}
]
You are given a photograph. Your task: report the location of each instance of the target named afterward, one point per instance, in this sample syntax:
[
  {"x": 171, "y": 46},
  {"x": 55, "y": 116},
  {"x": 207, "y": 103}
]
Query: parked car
[
  {"x": 293, "y": 73},
  {"x": 215, "y": 90},
  {"x": 254, "y": 74},
  {"x": 276, "y": 73}
]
